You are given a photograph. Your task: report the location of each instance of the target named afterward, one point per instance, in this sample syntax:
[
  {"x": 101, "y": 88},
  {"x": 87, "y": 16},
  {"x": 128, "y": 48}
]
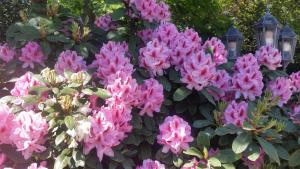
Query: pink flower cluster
[
  {"x": 150, "y": 97},
  {"x": 295, "y": 80},
  {"x": 2, "y": 160},
  {"x": 295, "y": 114},
  {"x": 222, "y": 81},
  {"x": 6, "y": 124},
  {"x": 155, "y": 57},
  {"x": 198, "y": 70},
  {"x": 269, "y": 57},
  {"x": 150, "y": 164},
  {"x": 32, "y": 53},
  {"x": 236, "y": 113},
  {"x": 104, "y": 22},
  {"x": 258, "y": 163},
  {"x": 151, "y": 11},
  {"x": 175, "y": 134},
  {"x": 217, "y": 49},
  {"x": 69, "y": 61},
  {"x": 145, "y": 35},
  {"x": 166, "y": 32},
  {"x": 247, "y": 80},
  {"x": 6, "y": 52},
  {"x": 281, "y": 87}
]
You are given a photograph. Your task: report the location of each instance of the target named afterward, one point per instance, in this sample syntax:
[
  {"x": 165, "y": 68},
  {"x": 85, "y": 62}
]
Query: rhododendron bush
[{"x": 131, "y": 90}]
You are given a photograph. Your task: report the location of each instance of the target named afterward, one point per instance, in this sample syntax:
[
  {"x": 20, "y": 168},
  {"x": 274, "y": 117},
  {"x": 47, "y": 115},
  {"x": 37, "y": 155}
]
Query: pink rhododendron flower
[
  {"x": 69, "y": 61},
  {"x": 145, "y": 35},
  {"x": 151, "y": 11},
  {"x": 257, "y": 164},
  {"x": 269, "y": 57},
  {"x": 217, "y": 49},
  {"x": 163, "y": 12},
  {"x": 32, "y": 53},
  {"x": 93, "y": 99},
  {"x": 222, "y": 81},
  {"x": 104, "y": 22},
  {"x": 151, "y": 97},
  {"x": 295, "y": 79},
  {"x": 236, "y": 113},
  {"x": 111, "y": 59},
  {"x": 2, "y": 160},
  {"x": 281, "y": 87},
  {"x": 198, "y": 70},
  {"x": 24, "y": 83},
  {"x": 166, "y": 32},
  {"x": 6, "y": 124},
  {"x": 246, "y": 63},
  {"x": 150, "y": 164},
  {"x": 184, "y": 46},
  {"x": 295, "y": 114},
  {"x": 35, "y": 166},
  {"x": 7, "y": 53},
  {"x": 29, "y": 133},
  {"x": 175, "y": 134},
  {"x": 109, "y": 128},
  {"x": 155, "y": 57}
]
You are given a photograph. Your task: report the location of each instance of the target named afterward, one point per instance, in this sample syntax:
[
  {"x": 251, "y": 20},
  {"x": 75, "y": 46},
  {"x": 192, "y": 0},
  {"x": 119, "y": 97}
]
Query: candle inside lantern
[
  {"x": 287, "y": 47},
  {"x": 269, "y": 38},
  {"x": 232, "y": 46}
]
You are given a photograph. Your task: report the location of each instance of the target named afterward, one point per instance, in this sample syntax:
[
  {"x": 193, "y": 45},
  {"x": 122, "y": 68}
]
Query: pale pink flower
[
  {"x": 163, "y": 12},
  {"x": 198, "y": 70},
  {"x": 281, "y": 87},
  {"x": 269, "y": 57},
  {"x": 151, "y": 11},
  {"x": 222, "y": 81},
  {"x": 109, "y": 127},
  {"x": 104, "y": 22},
  {"x": 295, "y": 114},
  {"x": 35, "y": 166},
  {"x": 217, "y": 49},
  {"x": 6, "y": 52},
  {"x": 166, "y": 32},
  {"x": 155, "y": 57},
  {"x": 150, "y": 164},
  {"x": 175, "y": 134},
  {"x": 69, "y": 61},
  {"x": 6, "y": 124},
  {"x": 258, "y": 163},
  {"x": 151, "y": 97},
  {"x": 29, "y": 133},
  {"x": 295, "y": 79},
  {"x": 247, "y": 63},
  {"x": 145, "y": 35},
  {"x": 236, "y": 113},
  {"x": 111, "y": 59},
  {"x": 32, "y": 53}
]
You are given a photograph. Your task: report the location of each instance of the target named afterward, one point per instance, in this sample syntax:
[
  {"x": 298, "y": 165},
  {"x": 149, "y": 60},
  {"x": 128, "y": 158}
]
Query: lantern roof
[
  {"x": 233, "y": 33},
  {"x": 287, "y": 32},
  {"x": 268, "y": 20}
]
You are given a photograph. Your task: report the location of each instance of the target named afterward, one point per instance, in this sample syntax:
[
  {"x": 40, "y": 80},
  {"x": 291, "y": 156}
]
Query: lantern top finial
[
  {"x": 233, "y": 33},
  {"x": 268, "y": 20}
]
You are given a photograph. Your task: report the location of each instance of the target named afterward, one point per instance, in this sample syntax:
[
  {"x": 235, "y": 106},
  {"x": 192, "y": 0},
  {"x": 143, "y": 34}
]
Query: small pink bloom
[
  {"x": 31, "y": 54},
  {"x": 150, "y": 164},
  {"x": 217, "y": 49},
  {"x": 236, "y": 113},
  {"x": 269, "y": 57},
  {"x": 198, "y": 70},
  {"x": 104, "y": 22},
  {"x": 69, "y": 61},
  {"x": 151, "y": 11},
  {"x": 163, "y": 12},
  {"x": 151, "y": 97},
  {"x": 6, "y": 52},
  {"x": 155, "y": 57},
  {"x": 295, "y": 114},
  {"x": 175, "y": 134},
  {"x": 6, "y": 124},
  {"x": 295, "y": 79},
  {"x": 257, "y": 164},
  {"x": 166, "y": 32},
  {"x": 29, "y": 133},
  {"x": 145, "y": 35},
  {"x": 281, "y": 87},
  {"x": 246, "y": 63},
  {"x": 222, "y": 81}
]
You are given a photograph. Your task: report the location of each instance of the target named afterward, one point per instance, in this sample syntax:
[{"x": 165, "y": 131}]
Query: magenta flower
[
  {"x": 151, "y": 97},
  {"x": 175, "y": 134},
  {"x": 295, "y": 114},
  {"x": 295, "y": 80},
  {"x": 197, "y": 71},
  {"x": 104, "y": 22},
  {"x": 31, "y": 54},
  {"x": 281, "y": 87},
  {"x": 163, "y": 12},
  {"x": 217, "y": 49},
  {"x": 166, "y": 32},
  {"x": 7, "y": 53},
  {"x": 222, "y": 81},
  {"x": 69, "y": 61},
  {"x": 151, "y": 11},
  {"x": 236, "y": 113},
  {"x": 2, "y": 160},
  {"x": 145, "y": 35},
  {"x": 269, "y": 57},
  {"x": 6, "y": 124},
  {"x": 246, "y": 63},
  {"x": 155, "y": 57},
  {"x": 29, "y": 133},
  {"x": 258, "y": 163},
  {"x": 150, "y": 164}
]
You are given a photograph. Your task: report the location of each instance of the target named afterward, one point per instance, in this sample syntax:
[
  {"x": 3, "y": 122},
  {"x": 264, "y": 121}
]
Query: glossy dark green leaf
[
  {"x": 294, "y": 159},
  {"x": 241, "y": 142},
  {"x": 201, "y": 123},
  {"x": 181, "y": 93},
  {"x": 269, "y": 149}
]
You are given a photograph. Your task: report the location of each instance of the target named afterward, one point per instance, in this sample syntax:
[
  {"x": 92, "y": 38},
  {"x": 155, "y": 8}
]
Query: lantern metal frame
[
  {"x": 287, "y": 39},
  {"x": 233, "y": 35}
]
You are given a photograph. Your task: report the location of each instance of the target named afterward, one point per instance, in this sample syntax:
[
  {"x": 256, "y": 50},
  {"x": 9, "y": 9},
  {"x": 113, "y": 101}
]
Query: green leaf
[
  {"x": 214, "y": 162},
  {"x": 69, "y": 121},
  {"x": 177, "y": 161},
  {"x": 228, "y": 129},
  {"x": 144, "y": 151},
  {"x": 228, "y": 166},
  {"x": 128, "y": 163},
  {"x": 282, "y": 153},
  {"x": 88, "y": 92},
  {"x": 269, "y": 149},
  {"x": 39, "y": 89},
  {"x": 294, "y": 159},
  {"x": 201, "y": 123},
  {"x": 181, "y": 93},
  {"x": 67, "y": 91},
  {"x": 79, "y": 158},
  {"x": 228, "y": 156},
  {"x": 30, "y": 99},
  {"x": 61, "y": 161},
  {"x": 241, "y": 142},
  {"x": 174, "y": 76},
  {"x": 193, "y": 152},
  {"x": 102, "y": 93},
  {"x": 118, "y": 14},
  {"x": 45, "y": 47},
  {"x": 165, "y": 82},
  {"x": 203, "y": 139},
  {"x": 208, "y": 96},
  {"x": 60, "y": 138},
  {"x": 253, "y": 152},
  {"x": 58, "y": 38}
]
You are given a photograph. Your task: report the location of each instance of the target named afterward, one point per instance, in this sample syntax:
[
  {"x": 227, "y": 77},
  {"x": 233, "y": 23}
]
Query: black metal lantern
[
  {"x": 287, "y": 44},
  {"x": 267, "y": 30},
  {"x": 233, "y": 41}
]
